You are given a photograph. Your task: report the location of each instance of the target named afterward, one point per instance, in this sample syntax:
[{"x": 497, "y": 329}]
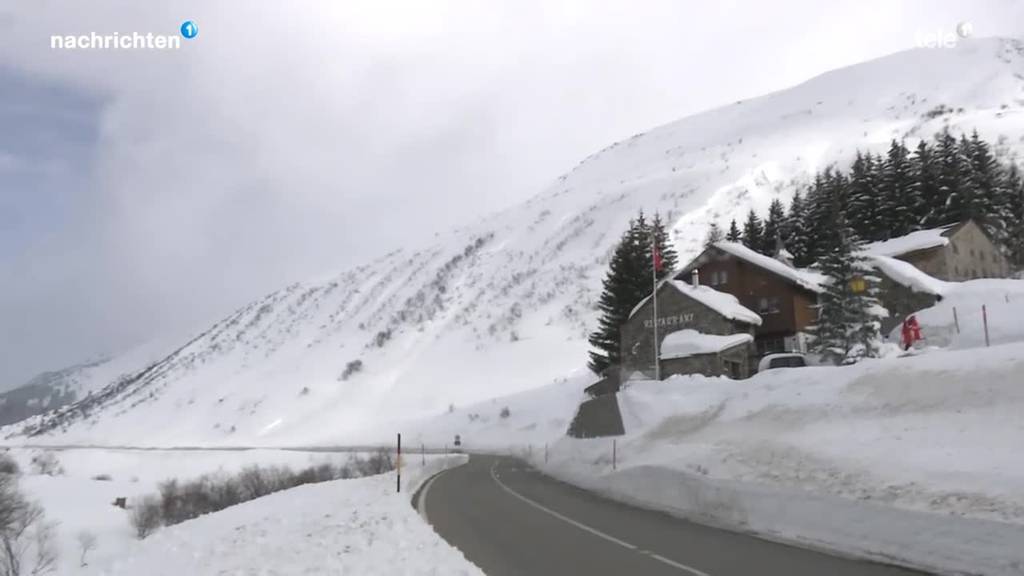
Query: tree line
[{"x": 944, "y": 181}]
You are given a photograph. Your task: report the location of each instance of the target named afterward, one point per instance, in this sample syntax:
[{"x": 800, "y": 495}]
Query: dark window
[
  {"x": 723, "y": 277},
  {"x": 972, "y": 252},
  {"x": 955, "y": 249}
]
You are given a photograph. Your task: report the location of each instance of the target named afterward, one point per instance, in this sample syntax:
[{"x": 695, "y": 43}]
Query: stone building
[
  {"x": 690, "y": 352},
  {"x": 684, "y": 307},
  {"x": 783, "y": 296},
  {"x": 958, "y": 252}
]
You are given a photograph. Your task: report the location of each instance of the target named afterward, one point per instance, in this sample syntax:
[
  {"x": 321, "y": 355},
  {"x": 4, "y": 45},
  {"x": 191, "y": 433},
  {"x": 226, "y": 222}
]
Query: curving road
[{"x": 509, "y": 519}]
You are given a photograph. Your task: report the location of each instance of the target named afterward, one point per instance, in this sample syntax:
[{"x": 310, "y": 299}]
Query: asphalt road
[{"x": 509, "y": 519}]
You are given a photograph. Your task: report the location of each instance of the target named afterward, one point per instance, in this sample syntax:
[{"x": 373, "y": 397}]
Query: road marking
[{"x": 586, "y": 528}]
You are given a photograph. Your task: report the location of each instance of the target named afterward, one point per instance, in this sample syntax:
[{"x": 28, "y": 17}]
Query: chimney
[{"x": 696, "y": 277}]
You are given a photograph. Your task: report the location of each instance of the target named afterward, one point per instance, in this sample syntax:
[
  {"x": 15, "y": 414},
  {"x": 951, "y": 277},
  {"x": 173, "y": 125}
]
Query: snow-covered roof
[
  {"x": 908, "y": 275},
  {"x": 725, "y": 304},
  {"x": 807, "y": 279},
  {"x": 688, "y": 342},
  {"x": 920, "y": 240}
]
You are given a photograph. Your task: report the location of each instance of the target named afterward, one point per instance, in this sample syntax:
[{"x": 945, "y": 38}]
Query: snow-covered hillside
[
  {"x": 504, "y": 305},
  {"x": 54, "y": 389}
]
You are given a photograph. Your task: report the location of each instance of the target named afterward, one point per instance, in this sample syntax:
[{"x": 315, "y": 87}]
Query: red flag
[{"x": 656, "y": 254}]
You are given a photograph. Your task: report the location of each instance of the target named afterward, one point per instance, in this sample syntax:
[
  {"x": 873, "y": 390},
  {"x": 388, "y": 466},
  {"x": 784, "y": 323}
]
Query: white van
[{"x": 783, "y": 360}]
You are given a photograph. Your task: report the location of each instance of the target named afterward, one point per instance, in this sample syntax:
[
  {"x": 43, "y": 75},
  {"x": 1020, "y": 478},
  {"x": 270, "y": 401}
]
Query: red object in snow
[{"x": 911, "y": 332}]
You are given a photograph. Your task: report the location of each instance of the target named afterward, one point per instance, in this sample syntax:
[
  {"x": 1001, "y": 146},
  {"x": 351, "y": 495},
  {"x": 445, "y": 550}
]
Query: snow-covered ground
[
  {"x": 359, "y": 526},
  {"x": 76, "y": 502}
]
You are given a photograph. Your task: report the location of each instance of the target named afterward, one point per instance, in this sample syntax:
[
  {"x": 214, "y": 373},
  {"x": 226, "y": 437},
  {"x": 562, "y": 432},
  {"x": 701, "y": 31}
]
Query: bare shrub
[
  {"x": 26, "y": 539},
  {"x": 9, "y": 465},
  {"x": 145, "y": 517},
  {"x": 181, "y": 501},
  {"x": 86, "y": 544},
  {"x": 102, "y": 478},
  {"x": 45, "y": 462},
  {"x": 505, "y": 412}
]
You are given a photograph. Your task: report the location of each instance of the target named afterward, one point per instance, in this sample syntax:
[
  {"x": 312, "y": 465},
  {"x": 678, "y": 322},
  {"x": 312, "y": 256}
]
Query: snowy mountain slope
[
  {"x": 504, "y": 305},
  {"x": 57, "y": 388}
]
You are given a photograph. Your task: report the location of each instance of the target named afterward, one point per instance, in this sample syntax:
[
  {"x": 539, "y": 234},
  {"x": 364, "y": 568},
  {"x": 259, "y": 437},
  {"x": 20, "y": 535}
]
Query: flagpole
[{"x": 654, "y": 298}]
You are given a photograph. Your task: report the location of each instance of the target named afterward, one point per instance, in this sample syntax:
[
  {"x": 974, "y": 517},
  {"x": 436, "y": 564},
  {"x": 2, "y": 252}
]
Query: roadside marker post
[
  {"x": 956, "y": 321},
  {"x": 614, "y": 455},
  {"x": 423, "y": 455},
  {"x": 398, "y": 464},
  {"x": 984, "y": 319},
  {"x": 545, "y": 452}
]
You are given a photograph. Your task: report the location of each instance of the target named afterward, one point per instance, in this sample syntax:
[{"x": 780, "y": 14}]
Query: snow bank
[
  {"x": 1004, "y": 304},
  {"x": 908, "y": 458},
  {"x": 684, "y": 343}
]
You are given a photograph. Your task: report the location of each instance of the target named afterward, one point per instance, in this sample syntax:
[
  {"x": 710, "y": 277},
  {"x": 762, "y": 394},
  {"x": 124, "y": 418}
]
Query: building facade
[
  {"x": 680, "y": 306},
  {"x": 784, "y": 297},
  {"x": 955, "y": 253}
]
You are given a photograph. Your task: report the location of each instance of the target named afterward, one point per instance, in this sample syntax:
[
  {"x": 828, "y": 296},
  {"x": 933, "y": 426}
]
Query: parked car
[{"x": 782, "y": 360}]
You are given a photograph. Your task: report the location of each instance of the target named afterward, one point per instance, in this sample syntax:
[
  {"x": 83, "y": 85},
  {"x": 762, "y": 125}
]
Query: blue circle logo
[{"x": 189, "y": 29}]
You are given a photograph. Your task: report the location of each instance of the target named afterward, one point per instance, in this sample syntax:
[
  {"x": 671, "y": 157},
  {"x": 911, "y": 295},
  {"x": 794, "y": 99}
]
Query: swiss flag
[{"x": 656, "y": 255}]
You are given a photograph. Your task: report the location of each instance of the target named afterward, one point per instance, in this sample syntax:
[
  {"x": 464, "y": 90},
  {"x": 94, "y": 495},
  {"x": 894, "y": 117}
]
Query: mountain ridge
[{"x": 504, "y": 304}]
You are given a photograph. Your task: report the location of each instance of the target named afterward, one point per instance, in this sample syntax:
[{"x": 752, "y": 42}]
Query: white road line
[{"x": 586, "y": 528}]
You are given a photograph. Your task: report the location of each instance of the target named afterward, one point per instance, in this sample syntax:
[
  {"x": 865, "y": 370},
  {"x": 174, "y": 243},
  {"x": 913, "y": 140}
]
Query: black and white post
[{"x": 655, "y": 264}]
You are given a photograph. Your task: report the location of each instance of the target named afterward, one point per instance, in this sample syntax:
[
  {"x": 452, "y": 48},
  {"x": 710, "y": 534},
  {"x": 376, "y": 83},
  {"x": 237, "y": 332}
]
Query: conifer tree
[
  {"x": 796, "y": 231},
  {"x": 771, "y": 239},
  {"x": 925, "y": 183},
  {"x": 669, "y": 257},
  {"x": 734, "y": 234},
  {"x": 864, "y": 211},
  {"x": 714, "y": 235},
  {"x": 1014, "y": 201},
  {"x": 627, "y": 282},
  {"x": 753, "y": 231},
  {"x": 898, "y": 198},
  {"x": 985, "y": 182},
  {"x": 846, "y": 329}
]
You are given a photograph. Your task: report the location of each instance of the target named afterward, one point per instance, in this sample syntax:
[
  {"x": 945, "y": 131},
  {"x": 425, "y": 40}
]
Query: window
[
  {"x": 768, "y": 305},
  {"x": 955, "y": 249},
  {"x": 723, "y": 277},
  {"x": 972, "y": 252}
]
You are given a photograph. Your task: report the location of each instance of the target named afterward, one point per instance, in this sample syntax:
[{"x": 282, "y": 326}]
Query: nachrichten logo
[{"x": 131, "y": 41}]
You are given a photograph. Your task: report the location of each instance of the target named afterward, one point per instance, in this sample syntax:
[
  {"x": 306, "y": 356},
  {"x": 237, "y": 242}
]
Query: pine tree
[
  {"x": 753, "y": 231},
  {"x": 771, "y": 239},
  {"x": 714, "y": 235},
  {"x": 898, "y": 198},
  {"x": 669, "y": 257},
  {"x": 954, "y": 176},
  {"x": 1014, "y": 201},
  {"x": 796, "y": 231},
  {"x": 846, "y": 329},
  {"x": 627, "y": 282},
  {"x": 924, "y": 175},
  {"x": 986, "y": 198},
  {"x": 734, "y": 234},
  {"x": 865, "y": 212}
]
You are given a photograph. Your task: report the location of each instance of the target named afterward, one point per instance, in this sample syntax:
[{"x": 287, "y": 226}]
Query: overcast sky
[{"x": 145, "y": 193}]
